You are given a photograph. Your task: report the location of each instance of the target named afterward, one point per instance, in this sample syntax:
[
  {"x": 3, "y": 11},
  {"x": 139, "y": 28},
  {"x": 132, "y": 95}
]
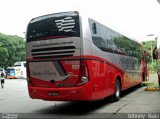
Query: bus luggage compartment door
[{"x": 56, "y": 74}]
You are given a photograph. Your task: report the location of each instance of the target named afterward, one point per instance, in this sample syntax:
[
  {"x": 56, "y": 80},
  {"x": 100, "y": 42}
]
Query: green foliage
[
  {"x": 152, "y": 67},
  {"x": 3, "y": 56},
  {"x": 149, "y": 46},
  {"x": 12, "y": 49}
]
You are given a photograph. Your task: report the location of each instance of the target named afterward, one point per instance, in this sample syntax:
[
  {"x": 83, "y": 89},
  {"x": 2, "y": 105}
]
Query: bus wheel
[{"x": 117, "y": 93}]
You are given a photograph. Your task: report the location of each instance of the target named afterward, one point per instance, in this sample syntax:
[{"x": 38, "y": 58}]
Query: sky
[{"x": 134, "y": 18}]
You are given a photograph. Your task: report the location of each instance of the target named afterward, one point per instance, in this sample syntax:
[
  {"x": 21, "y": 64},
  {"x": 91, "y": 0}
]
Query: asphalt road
[{"x": 14, "y": 99}]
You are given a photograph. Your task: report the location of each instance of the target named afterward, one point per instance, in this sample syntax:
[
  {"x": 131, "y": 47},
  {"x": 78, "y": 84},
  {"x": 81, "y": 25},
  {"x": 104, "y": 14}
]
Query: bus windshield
[{"x": 54, "y": 26}]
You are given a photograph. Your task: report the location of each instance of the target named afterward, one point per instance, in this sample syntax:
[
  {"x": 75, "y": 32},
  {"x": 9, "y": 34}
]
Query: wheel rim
[{"x": 117, "y": 91}]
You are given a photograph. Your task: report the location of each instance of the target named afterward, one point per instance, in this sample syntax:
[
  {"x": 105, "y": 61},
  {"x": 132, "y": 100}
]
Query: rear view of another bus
[
  {"x": 11, "y": 73},
  {"x": 55, "y": 70},
  {"x": 17, "y": 71}
]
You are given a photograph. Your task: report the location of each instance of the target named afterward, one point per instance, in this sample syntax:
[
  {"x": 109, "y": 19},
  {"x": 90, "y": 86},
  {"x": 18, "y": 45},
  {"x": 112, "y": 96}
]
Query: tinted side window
[{"x": 109, "y": 40}]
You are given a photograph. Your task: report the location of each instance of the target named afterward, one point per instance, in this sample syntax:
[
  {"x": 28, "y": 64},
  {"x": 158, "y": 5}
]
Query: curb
[{"x": 152, "y": 89}]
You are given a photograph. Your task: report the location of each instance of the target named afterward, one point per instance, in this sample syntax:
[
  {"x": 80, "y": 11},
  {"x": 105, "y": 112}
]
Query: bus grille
[{"x": 53, "y": 52}]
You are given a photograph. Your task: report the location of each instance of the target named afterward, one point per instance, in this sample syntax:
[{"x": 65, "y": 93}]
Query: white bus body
[{"x": 17, "y": 71}]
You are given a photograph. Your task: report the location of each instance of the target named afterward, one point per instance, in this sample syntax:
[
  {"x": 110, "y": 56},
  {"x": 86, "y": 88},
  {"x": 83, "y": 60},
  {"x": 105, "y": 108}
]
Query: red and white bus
[{"x": 74, "y": 58}]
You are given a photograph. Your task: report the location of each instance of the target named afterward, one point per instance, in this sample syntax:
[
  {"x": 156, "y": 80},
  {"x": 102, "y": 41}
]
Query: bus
[
  {"x": 17, "y": 71},
  {"x": 74, "y": 58}
]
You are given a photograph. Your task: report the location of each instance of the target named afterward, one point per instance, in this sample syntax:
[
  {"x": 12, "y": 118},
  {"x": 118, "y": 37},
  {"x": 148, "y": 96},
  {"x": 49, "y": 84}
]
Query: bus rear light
[{"x": 83, "y": 73}]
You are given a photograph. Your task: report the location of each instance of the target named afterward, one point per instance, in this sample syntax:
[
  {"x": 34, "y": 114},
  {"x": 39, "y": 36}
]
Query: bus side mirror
[{"x": 155, "y": 53}]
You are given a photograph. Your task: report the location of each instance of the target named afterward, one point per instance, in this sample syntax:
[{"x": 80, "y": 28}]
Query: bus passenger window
[{"x": 94, "y": 29}]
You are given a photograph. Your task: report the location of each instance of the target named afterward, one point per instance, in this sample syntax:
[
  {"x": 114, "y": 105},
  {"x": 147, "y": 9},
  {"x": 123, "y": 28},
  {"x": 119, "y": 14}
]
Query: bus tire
[{"x": 117, "y": 93}]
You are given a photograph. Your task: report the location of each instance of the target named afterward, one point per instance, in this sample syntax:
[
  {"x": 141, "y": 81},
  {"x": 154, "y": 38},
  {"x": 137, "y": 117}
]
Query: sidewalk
[{"x": 152, "y": 83}]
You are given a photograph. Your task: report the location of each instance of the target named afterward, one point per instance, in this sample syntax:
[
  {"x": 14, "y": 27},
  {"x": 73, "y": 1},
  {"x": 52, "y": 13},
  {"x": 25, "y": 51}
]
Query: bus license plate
[{"x": 53, "y": 93}]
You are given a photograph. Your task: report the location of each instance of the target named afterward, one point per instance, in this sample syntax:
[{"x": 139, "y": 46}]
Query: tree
[
  {"x": 149, "y": 45},
  {"x": 12, "y": 49},
  {"x": 3, "y": 56}
]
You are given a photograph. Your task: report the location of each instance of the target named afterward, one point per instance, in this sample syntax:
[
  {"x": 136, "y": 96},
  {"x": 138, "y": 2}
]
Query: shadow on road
[
  {"x": 74, "y": 108},
  {"x": 130, "y": 90},
  {"x": 81, "y": 108}
]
